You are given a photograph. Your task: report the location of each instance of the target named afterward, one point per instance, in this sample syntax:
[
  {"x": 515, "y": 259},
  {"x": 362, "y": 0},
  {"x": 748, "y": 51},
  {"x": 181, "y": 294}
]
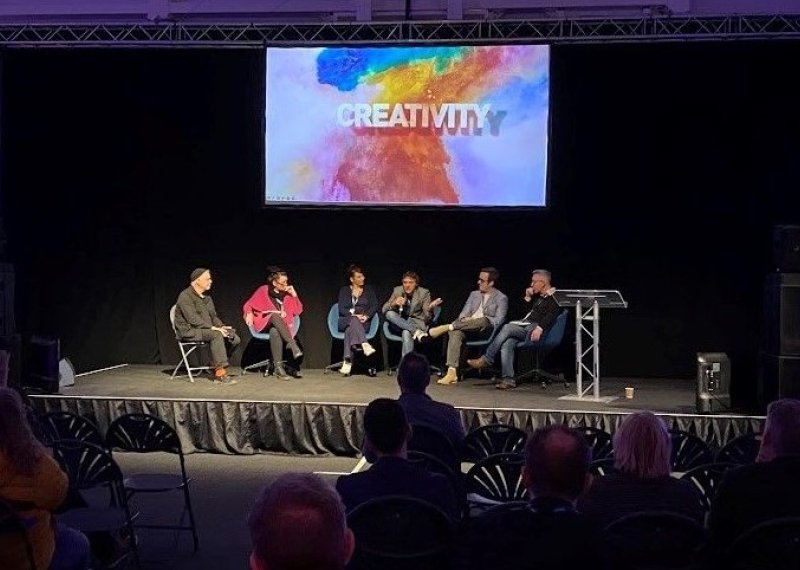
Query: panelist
[
  {"x": 409, "y": 310},
  {"x": 357, "y": 305}
]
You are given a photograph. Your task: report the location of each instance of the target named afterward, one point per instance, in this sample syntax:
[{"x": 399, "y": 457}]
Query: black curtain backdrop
[{"x": 670, "y": 164}]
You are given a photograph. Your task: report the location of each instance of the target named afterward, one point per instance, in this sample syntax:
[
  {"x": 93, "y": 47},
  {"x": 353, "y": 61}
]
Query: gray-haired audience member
[
  {"x": 387, "y": 434},
  {"x": 298, "y": 523},
  {"x": 413, "y": 377},
  {"x": 550, "y": 533},
  {"x": 767, "y": 489},
  {"x": 642, "y": 457}
]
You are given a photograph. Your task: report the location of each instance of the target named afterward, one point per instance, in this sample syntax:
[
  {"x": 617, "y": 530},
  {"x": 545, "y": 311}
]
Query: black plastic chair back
[
  {"x": 741, "y": 450},
  {"x": 88, "y": 465},
  {"x": 771, "y": 545},
  {"x": 66, "y": 425},
  {"x": 400, "y": 533},
  {"x": 493, "y": 439},
  {"x": 688, "y": 451},
  {"x": 436, "y": 466},
  {"x": 598, "y": 440},
  {"x": 142, "y": 433},
  {"x": 14, "y": 538},
  {"x": 498, "y": 478},
  {"x": 706, "y": 480},
  {"x": 655, "y": 540},
  {"x": 430, "y": 440}
]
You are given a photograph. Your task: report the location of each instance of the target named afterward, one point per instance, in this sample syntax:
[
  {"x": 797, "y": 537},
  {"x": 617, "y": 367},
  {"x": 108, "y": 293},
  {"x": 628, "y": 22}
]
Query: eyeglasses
[{"x": 483, "y": 280}]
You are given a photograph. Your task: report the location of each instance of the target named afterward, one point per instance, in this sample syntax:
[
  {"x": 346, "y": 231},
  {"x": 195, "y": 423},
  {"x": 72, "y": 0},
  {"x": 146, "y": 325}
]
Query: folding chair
[{"x": 186, "y": 347}]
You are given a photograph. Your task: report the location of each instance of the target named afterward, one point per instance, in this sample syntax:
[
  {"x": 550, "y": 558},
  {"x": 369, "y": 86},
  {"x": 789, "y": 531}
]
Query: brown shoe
[
  {"x": 477, "y": 363},
  {"x": 450, "y": 378},
  {"x": 506, "y": 384}
]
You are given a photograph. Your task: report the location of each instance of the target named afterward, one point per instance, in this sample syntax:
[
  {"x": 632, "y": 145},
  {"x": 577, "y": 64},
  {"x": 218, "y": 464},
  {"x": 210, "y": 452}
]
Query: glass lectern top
[{"x": 606, "y": 298}]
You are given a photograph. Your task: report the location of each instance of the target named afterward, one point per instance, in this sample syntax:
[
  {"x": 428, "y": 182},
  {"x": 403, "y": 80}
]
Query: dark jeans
[
  {"x": 221, "y": 346},
  {"x": 354, "y": 333},
  {"x": 469, "y": 329}
]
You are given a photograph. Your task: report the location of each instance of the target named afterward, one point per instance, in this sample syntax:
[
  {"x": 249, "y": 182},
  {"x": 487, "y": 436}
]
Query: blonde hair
[{"x": 642, "y": 446}]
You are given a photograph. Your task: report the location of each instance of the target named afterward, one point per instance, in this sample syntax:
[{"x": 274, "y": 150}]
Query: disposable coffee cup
[{"x": 629, "y": 393}]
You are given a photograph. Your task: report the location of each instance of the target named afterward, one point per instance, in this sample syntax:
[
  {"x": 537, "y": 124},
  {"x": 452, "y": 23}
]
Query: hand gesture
[
  {"x": 248, "y": 318},
  {"x": 400, "y": 301},
  {"x": 536, "y": 334},
  {"x": 283, "y": 314},
  {"x": 436, "y": 302},
  {"x": 362, "y": 318},
  {"x": 529, "y": 292},
  {"x": 291, "y": 290}
]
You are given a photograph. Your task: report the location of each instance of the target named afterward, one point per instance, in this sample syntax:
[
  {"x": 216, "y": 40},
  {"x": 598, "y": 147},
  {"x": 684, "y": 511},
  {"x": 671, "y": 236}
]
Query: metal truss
[{"x": 650, "y": 28}]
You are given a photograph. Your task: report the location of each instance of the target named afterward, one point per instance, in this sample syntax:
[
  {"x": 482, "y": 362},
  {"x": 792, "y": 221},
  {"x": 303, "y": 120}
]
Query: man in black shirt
[
  {"x": 196, "y": 320},
  {"x": 542, "y": 312}
]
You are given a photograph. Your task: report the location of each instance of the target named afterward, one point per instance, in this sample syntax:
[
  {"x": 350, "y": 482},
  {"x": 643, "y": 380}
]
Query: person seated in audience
[
  {"x": 409, "y": 310},
  {"x": 541, "y": 312},
  {"x": 32, "y": 483},
  {"x": 272, "y": 309},
  {"x": 413, "y": 377},
  {"x": 299, "y": 522},
  {"x": 357, "y": 305},
  {"x": 387, "y": 433},
  {"x": 196, "y": 320},
  {"x": 642, "y": 481},
  {"x": 549, "y": 533},
  {"x": 766, "y": 489},
  {"x": 484, "y": 311}
]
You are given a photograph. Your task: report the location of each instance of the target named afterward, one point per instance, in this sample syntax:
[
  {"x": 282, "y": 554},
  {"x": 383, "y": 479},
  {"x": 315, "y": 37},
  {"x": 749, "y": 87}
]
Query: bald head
[
  {"x": 556, "y": 463},
  {"x": 781, "y": 430}
]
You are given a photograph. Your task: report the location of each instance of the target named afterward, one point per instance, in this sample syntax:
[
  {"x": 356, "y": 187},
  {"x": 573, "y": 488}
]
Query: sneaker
[
  {"x": 418, "y": 335},
  {"x": 346, "y": 368},
  {"x": 438, "y": 331},
  {"x": 367, "y": 348},
  {"x": 449, "y": 379}
]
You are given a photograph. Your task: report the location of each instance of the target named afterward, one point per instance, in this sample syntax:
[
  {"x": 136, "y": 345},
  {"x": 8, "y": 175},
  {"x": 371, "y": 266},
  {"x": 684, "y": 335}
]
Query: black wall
[{"x": 670, "y": 164}]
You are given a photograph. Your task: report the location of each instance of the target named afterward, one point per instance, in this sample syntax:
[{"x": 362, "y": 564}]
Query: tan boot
[
  {"x": 438, "y": 331},
  {"x": 450, "y": 378}
]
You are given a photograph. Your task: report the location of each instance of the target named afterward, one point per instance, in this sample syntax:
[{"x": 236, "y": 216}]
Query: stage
[{"x": 322, "y": 413}]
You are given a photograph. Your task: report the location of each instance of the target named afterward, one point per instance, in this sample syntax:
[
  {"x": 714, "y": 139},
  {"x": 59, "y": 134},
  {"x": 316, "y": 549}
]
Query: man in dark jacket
[{"x": 196, "y": 320}]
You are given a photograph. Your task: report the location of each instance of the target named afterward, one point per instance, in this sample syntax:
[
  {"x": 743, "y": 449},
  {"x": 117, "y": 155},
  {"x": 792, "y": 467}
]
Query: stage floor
[{"x": 153, "y": 383}]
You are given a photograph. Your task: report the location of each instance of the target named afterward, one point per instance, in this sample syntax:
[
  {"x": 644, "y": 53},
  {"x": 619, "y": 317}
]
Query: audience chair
[
  {"x": 89, "y": 466},
  {"x": 492, "y": 439},
  {"x": 548, "y": 342},
  {"x": 186, "y": 347},
  {"x": 598, "y": 440},
  {"x": 741, "y": 450},
  {"x": 770, "y": 545},
  {"x": 688, "y": 451},
  {"x": 59, "y": 426},
  {"x": 496, "y": 479},
  {"x": 17, "y": 548},
  {"x": 602, "y": 467},
  {"x": 397, "y": 338},
  {"x": 142, "y": 433},
  {"x": 333, "y": 329},
  {"x": 655, "y": 540},
  {"x": 398, "y": 533},
  {"x": 434, "y": 465},
  {"x": 267, "y": 363},
  {"x": 430, "y": 440},
  {"x": 706, "y": 480}
]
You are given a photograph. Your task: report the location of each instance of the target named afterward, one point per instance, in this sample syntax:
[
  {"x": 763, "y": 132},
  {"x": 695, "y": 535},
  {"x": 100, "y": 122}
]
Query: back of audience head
[
  {"x": 17, "y": 442},
  {"x": 781, "y": 430},
  {"x": 386, "y": 429},
  {"x": 413, "y": 373},
  {"x": 642, "y": 446},
  {"x": 299, "y": 523},
  {"x": 557, "y": 462}
]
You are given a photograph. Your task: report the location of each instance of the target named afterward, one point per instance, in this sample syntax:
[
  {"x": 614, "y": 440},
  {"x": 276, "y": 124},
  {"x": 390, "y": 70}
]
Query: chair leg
[
  {"x": 262, "y": 363},
  {"x": 188, "y": 500},
  {"x": 333, "y": 367}
]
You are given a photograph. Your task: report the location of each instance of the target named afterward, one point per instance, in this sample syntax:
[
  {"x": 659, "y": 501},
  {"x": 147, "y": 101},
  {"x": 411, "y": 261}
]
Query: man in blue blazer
[{"x": 484, "y": 311}]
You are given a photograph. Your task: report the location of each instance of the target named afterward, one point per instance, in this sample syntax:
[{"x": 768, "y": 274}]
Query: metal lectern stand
[{"x": 587, "y": 303}]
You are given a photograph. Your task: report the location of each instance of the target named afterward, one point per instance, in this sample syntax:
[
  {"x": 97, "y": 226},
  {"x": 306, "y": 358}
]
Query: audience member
[
  {"x": 34, "y": 485},
  {"x": 413, "y": 377},
  {"x": 765, "y": 490},
  {"x": 298, "y": 523},
  {"x": 642, "y": 482},
  {"x": 386, "y": 436},
  {"x": 548, "y": 533}
]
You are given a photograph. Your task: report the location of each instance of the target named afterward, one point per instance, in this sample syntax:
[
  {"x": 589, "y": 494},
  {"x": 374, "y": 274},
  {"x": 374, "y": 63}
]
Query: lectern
[{"x": 587, "y": 303}]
